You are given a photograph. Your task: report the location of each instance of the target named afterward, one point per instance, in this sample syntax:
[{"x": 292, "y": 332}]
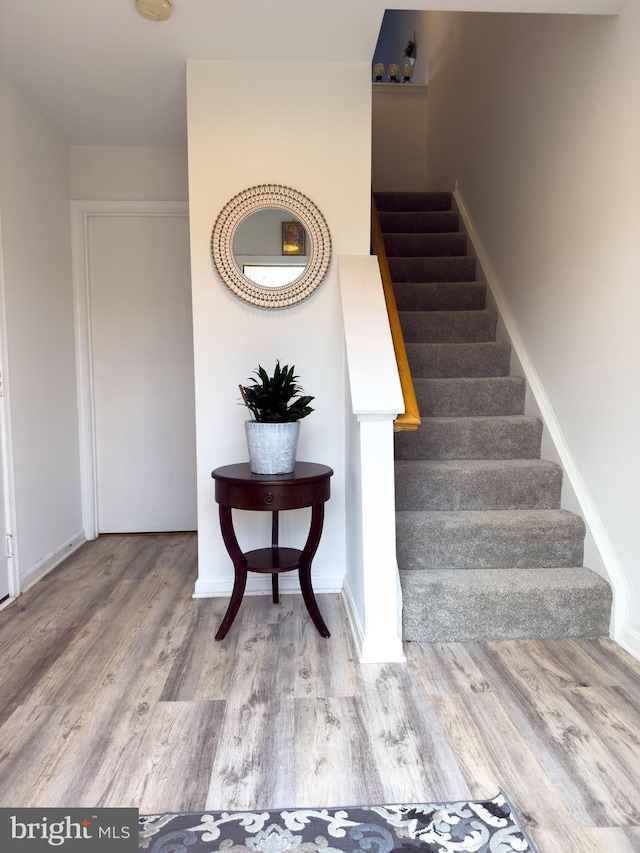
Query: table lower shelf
[{"x": 273, "y": 560}]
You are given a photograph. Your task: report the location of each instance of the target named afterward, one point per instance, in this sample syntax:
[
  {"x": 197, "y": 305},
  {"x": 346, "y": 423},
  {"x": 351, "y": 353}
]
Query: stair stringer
[{"x": 599, "y": 553}]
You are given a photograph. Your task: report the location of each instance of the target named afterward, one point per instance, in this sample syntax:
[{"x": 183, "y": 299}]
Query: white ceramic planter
[{"x": 272, "y": 447}]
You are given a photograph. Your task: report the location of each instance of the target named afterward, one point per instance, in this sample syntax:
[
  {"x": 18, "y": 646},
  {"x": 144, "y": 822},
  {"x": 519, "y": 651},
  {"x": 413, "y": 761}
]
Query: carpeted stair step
[
  {"x": 440, "y": 296},
  {"x": 433, "y": 361},
  {"x": 459, "y": 484},
  {"x": 502, "y": 437},
  {"x": 484, "y": 550},
  {"x": 432, "y": 269},
  {"x": 464, "y": 397},
  {"x": 439, "y": 327},
  {"x": 425, "y": 245},
  {"x": 419, "y": 222},
  {"x": 490, "y": 539},
  {"x": 458, "y": 605},
  {"x": 412, "y": 201}
]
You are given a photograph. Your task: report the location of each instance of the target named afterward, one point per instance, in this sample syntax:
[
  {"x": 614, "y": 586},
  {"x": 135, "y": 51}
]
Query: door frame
[
  {"x": 8, "y": 542},
  {"x": 81, "y": 213}
]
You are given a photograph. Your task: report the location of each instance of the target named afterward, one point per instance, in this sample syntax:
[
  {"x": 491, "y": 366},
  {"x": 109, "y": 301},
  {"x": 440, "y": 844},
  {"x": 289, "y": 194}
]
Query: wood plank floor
[{"x": 113, "y": 692}]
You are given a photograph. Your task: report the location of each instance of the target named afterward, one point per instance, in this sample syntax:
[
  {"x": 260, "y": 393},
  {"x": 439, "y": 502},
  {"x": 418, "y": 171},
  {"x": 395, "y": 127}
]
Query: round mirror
[{"x": 271, "y": 246}]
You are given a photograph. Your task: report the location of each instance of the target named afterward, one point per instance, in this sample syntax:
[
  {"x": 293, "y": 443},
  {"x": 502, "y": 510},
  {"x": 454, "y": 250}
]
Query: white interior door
[{"x": 142, "y": 372}]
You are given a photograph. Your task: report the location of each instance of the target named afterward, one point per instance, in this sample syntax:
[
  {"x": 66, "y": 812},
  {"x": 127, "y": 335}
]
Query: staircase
[{"x": 485, "y": 552}]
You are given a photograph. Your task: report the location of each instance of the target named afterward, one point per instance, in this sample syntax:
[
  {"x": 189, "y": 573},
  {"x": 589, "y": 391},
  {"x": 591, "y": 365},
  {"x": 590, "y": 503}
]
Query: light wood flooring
[{"x": 113, "y": 692}]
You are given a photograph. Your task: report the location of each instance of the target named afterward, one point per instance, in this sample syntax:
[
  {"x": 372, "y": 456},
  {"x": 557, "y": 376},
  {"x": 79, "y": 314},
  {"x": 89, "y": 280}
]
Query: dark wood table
[{"x": 238, "y": 488}]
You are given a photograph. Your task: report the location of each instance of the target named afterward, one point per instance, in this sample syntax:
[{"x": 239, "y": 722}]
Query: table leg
[
  {"x": 304, "y": 570},
  {"x": 240, "y": 569},
  {"x": 275, "y": 592}
]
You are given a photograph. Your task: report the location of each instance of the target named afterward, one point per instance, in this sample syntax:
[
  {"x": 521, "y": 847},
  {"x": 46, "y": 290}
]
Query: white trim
[
  {"x": 602, "y": 542},
  {"x": 399, "y": 88},
  {"x": 48, "y": 563},
  {"x": 8, "y": 524},
  {"x": 357, "y": 628},
  {"x": 256, "y": 585},
  {"x": 629, "y": 639},
  {"x": 81, "y": 211}
]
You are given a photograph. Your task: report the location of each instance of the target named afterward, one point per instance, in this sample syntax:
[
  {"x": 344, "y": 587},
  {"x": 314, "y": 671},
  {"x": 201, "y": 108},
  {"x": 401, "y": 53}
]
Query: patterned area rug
[{"x": 487, "y": 826}]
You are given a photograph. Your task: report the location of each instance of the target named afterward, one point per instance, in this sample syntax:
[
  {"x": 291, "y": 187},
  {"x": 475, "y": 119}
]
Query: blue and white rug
[{"x": 485, "y": 826}]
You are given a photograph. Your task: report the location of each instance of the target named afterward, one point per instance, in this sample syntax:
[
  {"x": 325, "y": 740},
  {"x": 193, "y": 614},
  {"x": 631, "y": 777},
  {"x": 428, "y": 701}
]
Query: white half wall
[
  {"x": 36, "y": 240},
  {"x": 536, "y": 118},
  {"x": 308, "y": 126}
]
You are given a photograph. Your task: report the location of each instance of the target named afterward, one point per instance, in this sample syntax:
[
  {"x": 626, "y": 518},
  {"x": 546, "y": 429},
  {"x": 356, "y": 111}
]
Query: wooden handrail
[{"x": 410, "y": 418}]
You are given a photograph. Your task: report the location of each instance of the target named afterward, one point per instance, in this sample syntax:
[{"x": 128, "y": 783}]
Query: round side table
[{"x": 237, "y": 487}]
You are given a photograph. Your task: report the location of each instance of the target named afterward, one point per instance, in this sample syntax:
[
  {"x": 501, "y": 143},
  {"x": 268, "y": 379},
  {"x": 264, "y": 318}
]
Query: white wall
[
  {"x": 307, "y": 126},
  {"x": 399, "y": 137},
  {"x": 537, "y": 120},
  {"x": 34, "y": 205},
  {"x": 129, "y": 174}
]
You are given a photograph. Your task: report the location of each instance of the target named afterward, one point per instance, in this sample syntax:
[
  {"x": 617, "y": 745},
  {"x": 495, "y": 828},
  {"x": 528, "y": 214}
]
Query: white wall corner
[{"x": 596, "y": 530}]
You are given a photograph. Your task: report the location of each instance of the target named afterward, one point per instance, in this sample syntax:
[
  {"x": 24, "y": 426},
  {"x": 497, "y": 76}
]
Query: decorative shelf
[{"x": 399, "y": 88}]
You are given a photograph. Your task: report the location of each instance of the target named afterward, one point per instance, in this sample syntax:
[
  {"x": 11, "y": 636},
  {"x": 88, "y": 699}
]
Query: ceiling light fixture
[{"x": 154, "y": 10}]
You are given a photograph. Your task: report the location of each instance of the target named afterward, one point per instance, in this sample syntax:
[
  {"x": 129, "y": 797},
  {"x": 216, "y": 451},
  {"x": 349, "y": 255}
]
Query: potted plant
[
  {"x": 410, "y": 51},
  {"x": 277, "y": 403}
]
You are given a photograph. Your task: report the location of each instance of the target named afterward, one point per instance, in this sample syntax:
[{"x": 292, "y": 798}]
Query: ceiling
[{"x": 106, "y": 76}]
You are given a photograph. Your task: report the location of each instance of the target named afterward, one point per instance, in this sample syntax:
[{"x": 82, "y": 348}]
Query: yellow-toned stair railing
[{"x": 410, "y": 418}]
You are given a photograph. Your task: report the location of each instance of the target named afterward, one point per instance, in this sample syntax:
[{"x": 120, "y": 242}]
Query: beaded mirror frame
[{"x": 261, "y": 197}]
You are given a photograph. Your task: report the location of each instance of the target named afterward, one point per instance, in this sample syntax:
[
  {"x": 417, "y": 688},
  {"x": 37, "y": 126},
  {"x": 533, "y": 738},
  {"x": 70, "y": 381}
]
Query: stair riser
[
  {"x": 440, "y": 327},
  {"x": 425, "y": 245},
  {"x": 470, "y": 397},
  {"x": 419, "y": 222},
  {"x": 433, "y": 361},
  {"x": 471, "y": 438},
  {"x": 448, "y": 608},
  {"x": 440, "y": 296},
  {"x": 412, "y": 201},
  {"x": 427, "y": 541},
  {"x": 432, "y": 269},
  {"x": 441, "y": 489}
]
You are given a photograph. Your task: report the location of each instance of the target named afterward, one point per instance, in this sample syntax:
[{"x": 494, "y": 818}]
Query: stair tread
[
  {"x": 514, "y": 578},
  {"x": 446, "y": 313},
  {"x": 477, "y": 464},
  {"x": 495, "y": 517}
]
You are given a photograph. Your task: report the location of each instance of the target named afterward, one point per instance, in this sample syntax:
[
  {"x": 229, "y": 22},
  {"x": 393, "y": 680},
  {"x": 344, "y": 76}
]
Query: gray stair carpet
[{"x": 485, "y": 550}]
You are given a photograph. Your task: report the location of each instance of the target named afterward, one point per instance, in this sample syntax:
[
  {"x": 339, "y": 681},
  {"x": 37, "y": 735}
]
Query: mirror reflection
[{"x": 270, "y": 247}]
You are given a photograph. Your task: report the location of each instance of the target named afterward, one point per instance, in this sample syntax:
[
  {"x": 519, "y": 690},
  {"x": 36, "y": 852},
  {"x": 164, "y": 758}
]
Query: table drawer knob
[{"x": 268, "y": 498}]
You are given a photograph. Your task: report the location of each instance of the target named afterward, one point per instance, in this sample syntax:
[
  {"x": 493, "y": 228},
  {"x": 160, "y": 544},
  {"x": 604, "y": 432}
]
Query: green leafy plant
[
  {"x": 410, "y": 48},
  {"x": 268, "y": 398}
]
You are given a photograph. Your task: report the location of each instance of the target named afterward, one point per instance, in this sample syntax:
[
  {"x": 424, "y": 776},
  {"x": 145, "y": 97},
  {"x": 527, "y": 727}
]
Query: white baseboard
[
  {"x": 614, "y": 571},
  {"x": 48, "y": 563},
  {"x": 357, "y": 629},
  {"x": 261, "y": 585},
  {"x": 629, "y": 639}
]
